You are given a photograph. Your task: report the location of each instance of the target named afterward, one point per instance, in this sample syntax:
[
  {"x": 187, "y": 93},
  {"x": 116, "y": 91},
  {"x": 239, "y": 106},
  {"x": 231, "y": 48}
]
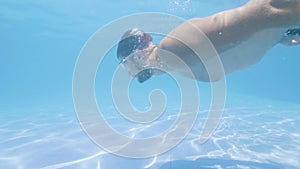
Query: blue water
[{"x": 40, "y": 43}]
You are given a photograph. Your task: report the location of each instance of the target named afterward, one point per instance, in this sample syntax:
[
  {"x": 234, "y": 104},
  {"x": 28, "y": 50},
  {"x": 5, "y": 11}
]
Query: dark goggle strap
[{"x": 144, "y": 75}]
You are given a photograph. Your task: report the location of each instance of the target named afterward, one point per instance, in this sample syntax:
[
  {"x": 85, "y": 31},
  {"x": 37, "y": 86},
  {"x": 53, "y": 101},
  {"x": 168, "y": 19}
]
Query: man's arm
[
  {"x": 228, "y": 28},
  {"x": 224, "y": 29}
]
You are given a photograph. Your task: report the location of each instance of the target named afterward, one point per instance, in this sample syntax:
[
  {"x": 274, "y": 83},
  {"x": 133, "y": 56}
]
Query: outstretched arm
[{"x": 229, "y": 28}]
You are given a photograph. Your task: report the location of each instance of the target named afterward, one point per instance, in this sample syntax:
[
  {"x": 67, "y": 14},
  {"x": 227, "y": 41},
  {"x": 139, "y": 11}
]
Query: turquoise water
[{"x": 40, "y": 43}]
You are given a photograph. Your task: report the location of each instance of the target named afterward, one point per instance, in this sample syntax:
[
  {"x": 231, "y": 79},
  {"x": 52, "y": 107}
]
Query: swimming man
[{"x": 241, "y": 36}]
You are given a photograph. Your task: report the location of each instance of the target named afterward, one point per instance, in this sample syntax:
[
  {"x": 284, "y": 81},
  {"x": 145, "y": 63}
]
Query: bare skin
[{"x": 241, "y": 37}]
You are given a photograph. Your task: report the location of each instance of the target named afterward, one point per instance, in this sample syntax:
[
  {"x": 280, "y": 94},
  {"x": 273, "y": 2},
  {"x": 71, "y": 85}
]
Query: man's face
[
  {"x": 131, "y": 64},
  {"x": 138, "y": 61}
]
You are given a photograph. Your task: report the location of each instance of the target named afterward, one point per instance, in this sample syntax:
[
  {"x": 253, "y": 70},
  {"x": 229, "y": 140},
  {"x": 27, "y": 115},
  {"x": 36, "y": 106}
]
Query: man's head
[{"x": 133, "y": 53}]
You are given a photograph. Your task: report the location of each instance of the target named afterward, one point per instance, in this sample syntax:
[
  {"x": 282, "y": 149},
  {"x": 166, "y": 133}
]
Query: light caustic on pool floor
[{"x": 253, "y": 137}]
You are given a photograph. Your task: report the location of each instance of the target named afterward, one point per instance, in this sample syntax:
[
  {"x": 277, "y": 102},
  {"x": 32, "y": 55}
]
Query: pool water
[{"x": 39, "y": 128}]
